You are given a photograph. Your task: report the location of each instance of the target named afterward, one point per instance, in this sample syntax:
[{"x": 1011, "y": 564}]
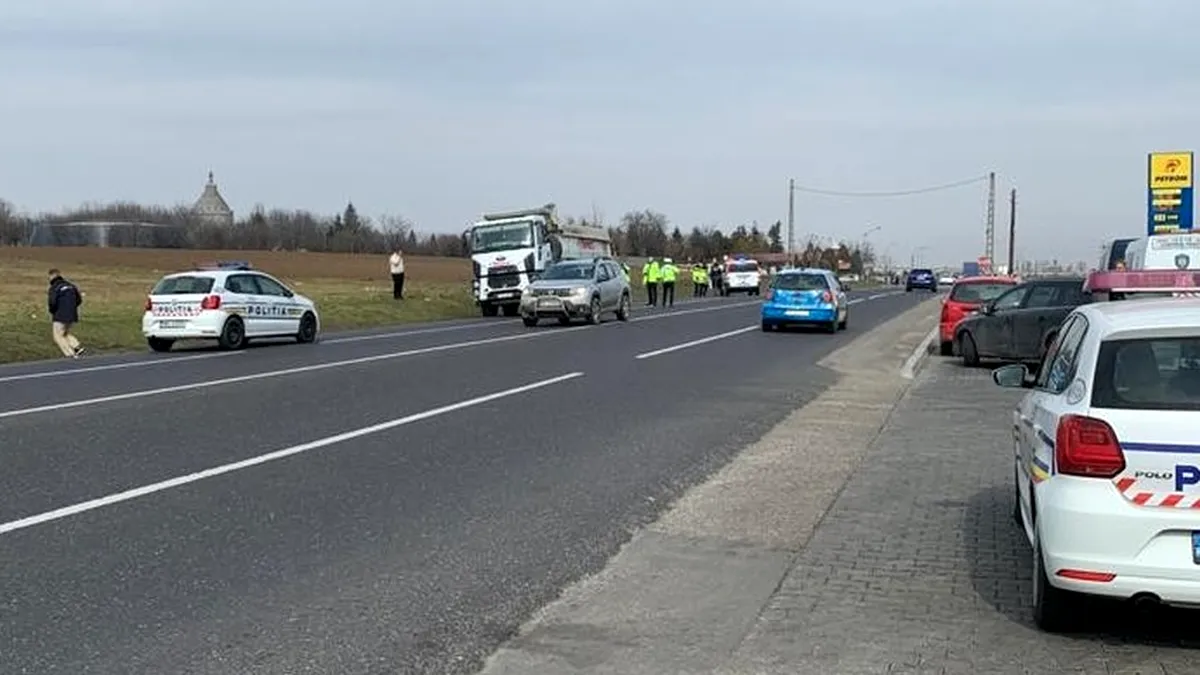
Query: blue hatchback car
[
  {"x": 921, "y": 278},
  {"x": 805, "y": 297}
]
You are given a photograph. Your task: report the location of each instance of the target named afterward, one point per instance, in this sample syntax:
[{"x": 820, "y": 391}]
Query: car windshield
[
  {"x": 570, "y": 272},
  {"x": 800, "y": 281},
  {"x": 921, "y": 273},
  {"x": 183, "y": 286},
  {"x": 978, "y": 292},
  {"x": 1148, "y": 374},
  {"x": 744, "y": 266},
  {"x": 501, "y": 237}
]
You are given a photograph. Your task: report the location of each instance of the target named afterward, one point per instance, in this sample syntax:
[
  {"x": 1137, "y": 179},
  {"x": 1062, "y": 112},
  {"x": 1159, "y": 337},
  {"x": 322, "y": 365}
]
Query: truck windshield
[
  {"x": 501, "y": 237},
  {"x": 572, "y": 271}
]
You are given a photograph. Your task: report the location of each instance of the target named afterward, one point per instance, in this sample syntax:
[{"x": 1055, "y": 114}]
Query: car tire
[
  {"x": 831, "y": 327},
  {"x": 594, "y": 311},
  {"x": 1053, "y": 608},
  {"x": 564, "y": 320},
  {"x": 488, "y": 309},
  {"x": 624, "y": 308},
  {"x": 233, "y": 335},
  {"x": 529, "y": 321},
  {"x": 307, "y": 333},
  {"x": 908, "y": 289},
  {"x": 768, "y": 326},
  {"x": 158, "y": 344},
  {"x": 1016, "y": 513},
  {"x": 842, "y": 324},
  {"x": 511, "y": 310},
  {"x": 947, "y": 348},
  {"x": 970, "y": 353}
]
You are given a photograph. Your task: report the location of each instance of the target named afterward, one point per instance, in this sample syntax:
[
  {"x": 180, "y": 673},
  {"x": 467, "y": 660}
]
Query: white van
[{"x": 1164, "y": 252}]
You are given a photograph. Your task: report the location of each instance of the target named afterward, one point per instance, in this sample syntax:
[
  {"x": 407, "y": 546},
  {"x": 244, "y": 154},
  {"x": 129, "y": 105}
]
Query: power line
[{"x": 897, "y": 193}]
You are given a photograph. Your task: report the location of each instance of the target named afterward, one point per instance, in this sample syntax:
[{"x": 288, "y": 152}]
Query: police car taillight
[
  {"x": 1087, "y": 447},
  {"x": 1182, "y": 283},
  {"x": 211, "y": 302}
]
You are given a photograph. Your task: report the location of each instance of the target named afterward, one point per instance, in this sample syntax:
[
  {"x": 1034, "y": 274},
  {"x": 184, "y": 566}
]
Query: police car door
[
  {"x": 281, "y": 313},
  {"x": 241, "y": 295}
]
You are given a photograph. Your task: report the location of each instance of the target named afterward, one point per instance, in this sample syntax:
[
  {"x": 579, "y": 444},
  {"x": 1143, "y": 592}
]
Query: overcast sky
[{"x": 440, "y": 110}]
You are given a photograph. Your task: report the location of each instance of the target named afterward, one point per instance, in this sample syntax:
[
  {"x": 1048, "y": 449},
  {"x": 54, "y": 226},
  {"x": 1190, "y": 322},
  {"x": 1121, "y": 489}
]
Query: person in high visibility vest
[
  {"x": 669, "y": 272},
  {"x": 651, "y": 276},
  {"x": 697, "y": 281}
]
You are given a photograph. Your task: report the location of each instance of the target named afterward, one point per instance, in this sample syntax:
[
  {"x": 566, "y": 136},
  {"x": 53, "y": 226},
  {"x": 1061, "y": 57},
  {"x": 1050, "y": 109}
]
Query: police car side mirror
[{"x": 1012, "y": 376}]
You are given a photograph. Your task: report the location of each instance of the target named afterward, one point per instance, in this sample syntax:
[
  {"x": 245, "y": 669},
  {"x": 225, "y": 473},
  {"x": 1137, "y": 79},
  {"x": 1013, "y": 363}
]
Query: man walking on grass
[{"x": 64, "y": 300}]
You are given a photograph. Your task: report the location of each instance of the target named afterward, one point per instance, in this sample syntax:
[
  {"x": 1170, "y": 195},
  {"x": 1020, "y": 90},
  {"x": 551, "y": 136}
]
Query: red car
[{"x": 967, "y": 295}]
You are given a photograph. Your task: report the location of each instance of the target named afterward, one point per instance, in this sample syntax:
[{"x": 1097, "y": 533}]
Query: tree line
[{"x": 637, "y": 233}]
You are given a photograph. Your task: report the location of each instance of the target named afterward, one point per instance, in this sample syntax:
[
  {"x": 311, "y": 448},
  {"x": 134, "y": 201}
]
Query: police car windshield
[
  {"x": 570, "y": 271},
  {"x": 800, "y": 281},
  {"x": 1148, "y": 374},
  {"x": 978, "y": 292},
  {"x": 743, "y": 266},
  {"x": 183, "y": 286}
]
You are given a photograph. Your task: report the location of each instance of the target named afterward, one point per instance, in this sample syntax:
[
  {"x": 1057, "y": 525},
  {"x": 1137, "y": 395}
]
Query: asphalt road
[{"x": 395, "y": 501}]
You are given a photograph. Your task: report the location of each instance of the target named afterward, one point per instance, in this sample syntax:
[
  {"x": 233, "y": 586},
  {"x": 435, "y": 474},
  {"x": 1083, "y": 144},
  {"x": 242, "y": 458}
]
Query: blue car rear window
[{"x": 800, "y": 281}]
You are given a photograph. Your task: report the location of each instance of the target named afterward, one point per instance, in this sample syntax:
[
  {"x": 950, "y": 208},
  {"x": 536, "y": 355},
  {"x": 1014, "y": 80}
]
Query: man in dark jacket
[{"x": 64, "y": 300}]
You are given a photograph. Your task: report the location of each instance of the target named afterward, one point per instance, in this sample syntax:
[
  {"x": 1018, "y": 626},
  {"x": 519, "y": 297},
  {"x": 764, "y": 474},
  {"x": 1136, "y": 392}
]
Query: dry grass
[{"x": 352, "y": 291}]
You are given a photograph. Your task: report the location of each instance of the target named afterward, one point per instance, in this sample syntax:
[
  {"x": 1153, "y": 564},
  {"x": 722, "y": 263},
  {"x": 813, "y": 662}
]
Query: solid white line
[
  {"x": 279, "y": 373},
  {"x": 693, "y": 343},
  {"x": 909, "y": 370},
  {"x": 422, "y": 331},
  {"x": 112, "y": 366},
  {"x": 144, "y": 490}
]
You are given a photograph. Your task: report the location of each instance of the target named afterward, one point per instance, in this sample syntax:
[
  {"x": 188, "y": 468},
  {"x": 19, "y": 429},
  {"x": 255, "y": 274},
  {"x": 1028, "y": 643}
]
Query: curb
[{"x": 919, "y": 356}]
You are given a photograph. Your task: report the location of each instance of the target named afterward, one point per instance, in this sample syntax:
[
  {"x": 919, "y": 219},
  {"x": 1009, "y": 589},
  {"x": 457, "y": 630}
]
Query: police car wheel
[
  {"x": 1053, "y": 608},
  {"x": 160, "y": 344},
  {"x": 623, "y": 309},
  {"x": 308, "y": 329},
  {"x": 233, "y": 334}
]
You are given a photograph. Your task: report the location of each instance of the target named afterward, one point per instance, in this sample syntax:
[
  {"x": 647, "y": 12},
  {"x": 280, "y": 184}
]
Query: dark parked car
[
  {"x": 921, "y": 278},
  {"x": 1020, "y": 324}
]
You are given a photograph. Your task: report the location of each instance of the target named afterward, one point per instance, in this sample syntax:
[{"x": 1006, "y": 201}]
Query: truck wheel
[
  {"x": 233, "y": 335},
  {"x": 160, "y": 344},
  {"x": 623, "y": 310},
  {"x": 488, "y": 309},
  {"x": 511, "y": 310}
]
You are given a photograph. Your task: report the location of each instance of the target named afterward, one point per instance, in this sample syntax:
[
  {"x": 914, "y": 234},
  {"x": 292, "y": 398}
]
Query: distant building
[{"x": 211, "y": 208}]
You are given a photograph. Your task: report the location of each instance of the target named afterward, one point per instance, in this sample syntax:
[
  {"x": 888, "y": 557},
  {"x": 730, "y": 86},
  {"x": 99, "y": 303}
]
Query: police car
[
  {"x": 742, "y": 275},
  {"x": 228, "y": 302},
  {"x": 1107, "y": 449},
  {"x": 813, "y": 297}
]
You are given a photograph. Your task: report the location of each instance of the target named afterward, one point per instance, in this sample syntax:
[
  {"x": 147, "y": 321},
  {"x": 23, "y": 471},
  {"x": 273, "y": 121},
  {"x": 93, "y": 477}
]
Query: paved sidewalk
[{"x": 918, "y": 567}]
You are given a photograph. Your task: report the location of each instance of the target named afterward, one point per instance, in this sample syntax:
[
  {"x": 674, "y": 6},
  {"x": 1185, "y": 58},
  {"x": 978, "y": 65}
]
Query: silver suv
[{"x": 577, "y": 289}]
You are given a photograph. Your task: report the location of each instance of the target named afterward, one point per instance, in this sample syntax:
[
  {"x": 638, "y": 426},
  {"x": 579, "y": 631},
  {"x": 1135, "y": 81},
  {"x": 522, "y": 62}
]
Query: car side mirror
[
  {"x": 1012, "y": 376},
  {"x": 987, "y": 309}
]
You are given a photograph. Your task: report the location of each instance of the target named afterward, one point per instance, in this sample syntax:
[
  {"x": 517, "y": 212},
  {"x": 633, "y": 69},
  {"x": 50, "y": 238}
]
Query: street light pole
[{"x": 791, "y": 224}]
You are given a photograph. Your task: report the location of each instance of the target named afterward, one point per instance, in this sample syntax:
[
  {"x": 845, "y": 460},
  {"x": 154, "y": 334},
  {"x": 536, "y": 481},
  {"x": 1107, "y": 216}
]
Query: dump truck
[{"x": 512, "y": 248}]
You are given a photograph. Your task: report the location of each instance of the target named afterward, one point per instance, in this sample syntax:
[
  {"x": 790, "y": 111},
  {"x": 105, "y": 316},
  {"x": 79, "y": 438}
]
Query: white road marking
[
  {"x": 855, "y": 301},
  {"x": 422, "y": 331},
  {"x": 112, "y": 366},
  {"x": 693, "y": 343},
  {"x": 909, "y": 369},
  {"x": 127, "y": 495}
]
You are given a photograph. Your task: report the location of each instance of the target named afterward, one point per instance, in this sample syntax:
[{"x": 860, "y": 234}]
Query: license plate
[
  {"x": 1196, "y": 547},
  {"x": 797, "y": 312},
  {"x": 171, "y": 324},
  {"x": 548, "y": 302}
]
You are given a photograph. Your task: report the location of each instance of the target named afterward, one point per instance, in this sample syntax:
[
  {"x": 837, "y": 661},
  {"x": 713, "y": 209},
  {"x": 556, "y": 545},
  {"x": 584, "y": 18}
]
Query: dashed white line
[
  {"x": 127, "y": 495},
  {"x": 693, "y": 343}
]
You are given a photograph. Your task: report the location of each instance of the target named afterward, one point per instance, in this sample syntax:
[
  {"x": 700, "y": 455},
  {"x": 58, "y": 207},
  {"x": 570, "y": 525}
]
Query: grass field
[{"x": 352, "y": 291}]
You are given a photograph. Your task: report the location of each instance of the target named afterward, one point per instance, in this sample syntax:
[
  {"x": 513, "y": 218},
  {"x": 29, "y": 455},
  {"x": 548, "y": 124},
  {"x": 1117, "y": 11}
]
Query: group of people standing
[{"x": 663, "y": 273}]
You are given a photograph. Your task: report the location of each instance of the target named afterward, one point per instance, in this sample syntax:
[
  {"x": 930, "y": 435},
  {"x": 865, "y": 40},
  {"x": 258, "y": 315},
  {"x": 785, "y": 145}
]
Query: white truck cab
[{"x": 1164, "y": 252}]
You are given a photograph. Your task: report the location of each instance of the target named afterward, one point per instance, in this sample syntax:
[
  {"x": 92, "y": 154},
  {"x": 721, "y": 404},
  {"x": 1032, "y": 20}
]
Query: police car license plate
[
  {"x": 171, "y": 324},
  {"x": 797, "y": 312},
  {"x": 1196, "y": 547}
]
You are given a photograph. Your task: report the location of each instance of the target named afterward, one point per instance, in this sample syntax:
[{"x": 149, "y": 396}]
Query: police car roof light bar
[
  {"x": 240, "y": 265},
  {"x": 1149, "y": 281}
]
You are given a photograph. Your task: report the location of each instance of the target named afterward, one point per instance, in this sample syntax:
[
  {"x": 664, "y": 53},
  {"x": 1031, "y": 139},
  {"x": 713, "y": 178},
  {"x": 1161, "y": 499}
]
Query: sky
[{"x": 442, "y": 110}]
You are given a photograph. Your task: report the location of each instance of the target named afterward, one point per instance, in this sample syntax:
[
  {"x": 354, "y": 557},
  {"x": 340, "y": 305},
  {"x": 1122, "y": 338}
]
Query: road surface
[{"x": 390, "y": 501}]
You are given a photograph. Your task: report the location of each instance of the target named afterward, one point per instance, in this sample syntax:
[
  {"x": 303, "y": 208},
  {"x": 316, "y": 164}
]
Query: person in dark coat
[{"x": 64, "y": 300}]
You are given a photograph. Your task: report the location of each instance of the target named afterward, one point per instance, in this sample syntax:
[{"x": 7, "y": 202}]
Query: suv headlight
[{"x": 580, "y": 291}]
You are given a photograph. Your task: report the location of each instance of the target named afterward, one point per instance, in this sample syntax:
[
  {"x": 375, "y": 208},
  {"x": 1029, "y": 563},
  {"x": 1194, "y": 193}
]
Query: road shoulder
[{"x": 683, "y": 594}]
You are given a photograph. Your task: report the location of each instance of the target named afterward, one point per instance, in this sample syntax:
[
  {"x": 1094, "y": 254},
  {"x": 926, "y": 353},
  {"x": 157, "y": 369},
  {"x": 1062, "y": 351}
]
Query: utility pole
[
  {"x": 989, "y": 247},
  {"x": 1012, "y": 231},
  {"x": 791, "y": 227}
]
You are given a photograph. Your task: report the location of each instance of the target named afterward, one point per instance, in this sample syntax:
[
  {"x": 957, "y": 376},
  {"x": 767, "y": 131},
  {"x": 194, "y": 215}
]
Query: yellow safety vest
[
  {"x": 653, "y": 273},
  {"x": 668, "y": 273}
]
